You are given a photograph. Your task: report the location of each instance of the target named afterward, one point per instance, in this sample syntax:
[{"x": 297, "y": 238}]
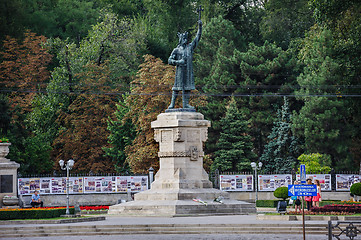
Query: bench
[{"x": 24, "y": 201}]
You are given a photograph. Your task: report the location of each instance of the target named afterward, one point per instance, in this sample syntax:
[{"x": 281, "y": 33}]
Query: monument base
[
  {"x": 181, "y": 186},
  {"x": 179, "y": 208}
]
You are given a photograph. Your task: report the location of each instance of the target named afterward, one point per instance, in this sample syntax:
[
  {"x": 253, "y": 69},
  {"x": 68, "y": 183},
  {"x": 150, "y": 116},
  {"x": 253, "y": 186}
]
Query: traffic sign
[
  {"x": 303, "y": 173},
  {"x": 302, "y": 190}
]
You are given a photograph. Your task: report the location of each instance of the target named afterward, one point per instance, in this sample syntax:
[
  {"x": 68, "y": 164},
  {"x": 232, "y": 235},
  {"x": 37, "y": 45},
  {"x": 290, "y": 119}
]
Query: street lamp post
[
  {"x": 68, "y": 166},
  {"x": 255, "y": 168}
]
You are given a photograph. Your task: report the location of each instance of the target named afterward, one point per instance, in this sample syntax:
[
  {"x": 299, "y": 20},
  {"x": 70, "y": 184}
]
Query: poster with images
[
  {"x": 34, "y": 184},
  {"x": 325, "y": 180},
  {"x": 344, "y": 181},
  {"x": 89, "y": 185},
  {"x": 58, "y": 185},
  {"x": 107, "y": 185},
  {"x": 45, "y": 185},
  {"x": 121, "y": 184},
  {"x": 272, "y": 182},
  {"x": 24, "y": 186},
  {"x": 138, "y": 183},
  {"x": 236, "y": 182},
  {"x": 75, "y": 185}
]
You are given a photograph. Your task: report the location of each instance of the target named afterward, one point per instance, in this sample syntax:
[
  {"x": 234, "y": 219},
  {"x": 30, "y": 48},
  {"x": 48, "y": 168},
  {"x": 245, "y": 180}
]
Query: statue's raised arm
[
  {"x": 198, "y": 36},
  {"x": 182, "y": 57}
]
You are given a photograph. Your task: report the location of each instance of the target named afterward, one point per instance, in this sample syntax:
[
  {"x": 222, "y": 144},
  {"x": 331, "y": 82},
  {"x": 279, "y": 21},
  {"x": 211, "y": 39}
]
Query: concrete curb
[{"x": 59, "y": 221}]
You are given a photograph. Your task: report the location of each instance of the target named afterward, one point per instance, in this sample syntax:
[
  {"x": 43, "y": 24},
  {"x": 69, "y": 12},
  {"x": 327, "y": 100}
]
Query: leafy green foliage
[
  {"x": 356, "y": 189},
  {"x": 285, "y": 20},
  {"x": 281, "y": 192},
  {"x": 234, "y": 145},
  {"x": 122, "y": 133},
  {"x": 316, "y": 162},
  {"x": 60, "y": 18}
]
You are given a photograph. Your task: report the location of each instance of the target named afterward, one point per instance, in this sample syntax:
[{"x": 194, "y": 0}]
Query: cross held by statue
[{"x": 199, "y": 10}]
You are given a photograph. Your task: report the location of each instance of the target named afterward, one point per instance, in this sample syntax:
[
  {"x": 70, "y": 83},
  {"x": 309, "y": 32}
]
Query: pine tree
[
  {"x": 281, "y": 152},
  {"x": 234, "y": 145}
]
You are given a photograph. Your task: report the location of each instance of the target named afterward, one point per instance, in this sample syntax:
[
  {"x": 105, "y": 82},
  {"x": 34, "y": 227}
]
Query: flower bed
[
  {"x": 355, "y": 208},
  {"x": 94, "y": 208},
  {"x": 319, "y": 213},
  {"x": 33, "y": 213}
]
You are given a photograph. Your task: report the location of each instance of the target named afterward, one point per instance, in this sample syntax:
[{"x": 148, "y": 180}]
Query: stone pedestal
[
  {"x": 181, "y": 177},
  {"x": 8, "y": 174}
]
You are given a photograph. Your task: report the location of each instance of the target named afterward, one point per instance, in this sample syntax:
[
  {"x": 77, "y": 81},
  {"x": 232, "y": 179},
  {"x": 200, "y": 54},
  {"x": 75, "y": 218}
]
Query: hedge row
[
  {"x": 267, "y": 203},
  {"x": 33, "y": 213}
]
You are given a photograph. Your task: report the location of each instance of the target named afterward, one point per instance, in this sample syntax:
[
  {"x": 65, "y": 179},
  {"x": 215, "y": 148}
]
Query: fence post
[
  {"x": 216, "y": 178},
  {"x": 333, "y": 180},
  {"x": 329, "y": 230}
]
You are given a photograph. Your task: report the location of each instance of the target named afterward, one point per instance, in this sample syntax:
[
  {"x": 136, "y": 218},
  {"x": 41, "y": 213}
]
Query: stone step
[{"x": 10, "y": 232}]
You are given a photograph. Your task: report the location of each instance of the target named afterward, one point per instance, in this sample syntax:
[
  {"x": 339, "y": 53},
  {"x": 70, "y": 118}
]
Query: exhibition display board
[
  {"x": 79, "y": 185},
  {"x": 344, "y": 181},
  {"x": 272, "y": 182},
  {"x": 236, "y": 182},
  {"x": 325, "y": 180}
]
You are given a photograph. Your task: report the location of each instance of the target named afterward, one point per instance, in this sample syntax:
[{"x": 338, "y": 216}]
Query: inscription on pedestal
[{"x": 6, "y": 184}]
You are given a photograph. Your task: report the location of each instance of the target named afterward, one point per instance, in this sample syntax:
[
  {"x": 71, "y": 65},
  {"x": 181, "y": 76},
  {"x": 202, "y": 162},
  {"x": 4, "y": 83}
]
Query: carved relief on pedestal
[
  {"x": 157, "y": 135},
  {"x": 194, "y": 153},
  {"x": 178, "y": 135}
]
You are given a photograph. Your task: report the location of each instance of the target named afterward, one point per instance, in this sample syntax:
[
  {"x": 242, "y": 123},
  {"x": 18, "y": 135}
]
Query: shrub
[
  {"x": 33, "y": 213},
  {"x": 266, "y": 203},
  {"x": 356, "y": 189},
  {"x": 281, "y": 192}
]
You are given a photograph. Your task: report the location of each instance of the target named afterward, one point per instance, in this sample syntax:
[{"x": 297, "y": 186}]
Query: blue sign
[
  {"x": 302, "y": 190},
  {"x": 303, "y": 173}
]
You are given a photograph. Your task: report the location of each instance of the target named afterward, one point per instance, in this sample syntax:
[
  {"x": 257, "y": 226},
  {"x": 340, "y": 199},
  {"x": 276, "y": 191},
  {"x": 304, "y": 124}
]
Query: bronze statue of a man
[{"x": 182, "y": 57}]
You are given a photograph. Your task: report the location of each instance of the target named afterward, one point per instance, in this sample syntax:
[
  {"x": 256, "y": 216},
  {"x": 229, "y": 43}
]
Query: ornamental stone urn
[
  {"x": 4, "y": 150},
  {"x": 10, "y": 200}
]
